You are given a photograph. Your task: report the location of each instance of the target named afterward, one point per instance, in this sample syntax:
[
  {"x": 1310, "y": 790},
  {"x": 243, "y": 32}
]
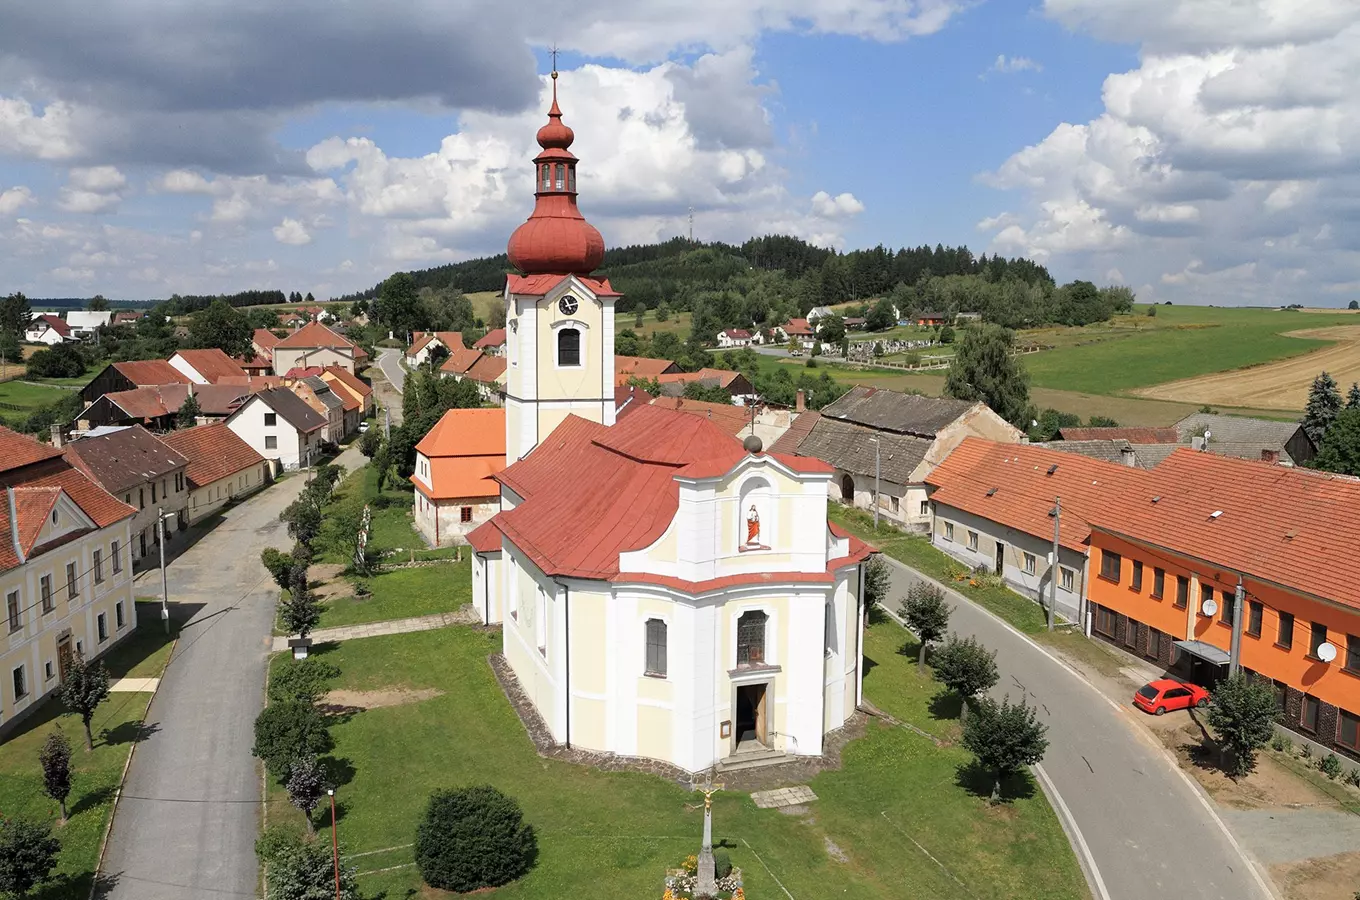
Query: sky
[{"x": 1199, "y": 151}]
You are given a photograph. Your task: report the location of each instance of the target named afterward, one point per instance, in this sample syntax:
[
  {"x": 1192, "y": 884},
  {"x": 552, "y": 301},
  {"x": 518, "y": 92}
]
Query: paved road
[
  {"x": 1149, "y": 833},
  {"x": 186, "y": 825},
  {"x": 389, "y": 361}
]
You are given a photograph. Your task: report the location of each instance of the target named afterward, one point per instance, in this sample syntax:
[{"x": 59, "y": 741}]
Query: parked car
[
  {"x": 363, "y": 426},
  {"x": 1157, "y": 697}
]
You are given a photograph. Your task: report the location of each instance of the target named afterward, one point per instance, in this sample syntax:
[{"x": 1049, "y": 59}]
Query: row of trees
[
  {"x": 403, "y": 305},
  {"x": 1334, "y": 425}
]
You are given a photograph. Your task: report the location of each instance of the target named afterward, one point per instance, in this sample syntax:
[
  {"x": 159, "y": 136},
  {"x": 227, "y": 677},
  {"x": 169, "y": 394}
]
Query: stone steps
[{"x": 751, "y": 760}]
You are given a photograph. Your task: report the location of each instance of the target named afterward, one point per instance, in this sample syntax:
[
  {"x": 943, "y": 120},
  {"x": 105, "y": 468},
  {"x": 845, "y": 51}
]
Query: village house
[
  {"x": 734, "y": 384},
  {"x": 423, "y": 343},
  {"x": 84, "y": 323},
  {"x": 799, "y": 330},
  {"x": 316, "y": 345},
  {"x": 872, "y": 435},
  {"x": 454, "y": 477},
  {"x": 317, "y": 394},
  {"x": 736, "y": 337},
  {"x": 263, "y": 341},
  {"x": 222, "y": 467},
  {"x": 1248, "y": 438},
  {"x": 281, "y": 427},
  {"x": 207, "y": 366},
  {"x": 641, "y": 367},
  {"x": 124, "y": 376},
  {"x": 48, "y": 329},
  {"x": 347, "y": 384},
  {"x": 819, "y": 312},
  {"x": 492, "y": 343},
  {"x": 665, "y": 591},
  {"x": 65, "y": 572},
  {"x": 931, "y": 319},
  {"x": 126, "y": 317},
  {"x": 157, "y": 408},
  {"x": 137, "y": 468}
]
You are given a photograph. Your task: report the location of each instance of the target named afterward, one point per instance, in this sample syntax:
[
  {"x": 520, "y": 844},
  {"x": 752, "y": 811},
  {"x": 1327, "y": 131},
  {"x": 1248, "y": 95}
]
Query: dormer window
[{"x": 569, "y": 347}]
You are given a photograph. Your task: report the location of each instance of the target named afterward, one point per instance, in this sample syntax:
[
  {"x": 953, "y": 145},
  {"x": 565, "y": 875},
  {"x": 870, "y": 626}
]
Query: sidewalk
[{"x": 465, "y": 616}]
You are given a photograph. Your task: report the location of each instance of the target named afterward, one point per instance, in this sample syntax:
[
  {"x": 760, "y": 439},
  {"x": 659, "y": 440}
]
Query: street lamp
[
  {"x": 877, "y": 472},
  {"x": 335, "y": 843},
  {"x": 161, "y": 516}
]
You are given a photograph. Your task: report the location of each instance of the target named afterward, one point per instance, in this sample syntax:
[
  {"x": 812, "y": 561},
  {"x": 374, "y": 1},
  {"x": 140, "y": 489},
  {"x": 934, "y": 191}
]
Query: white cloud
[
  {"x": 1233, "y": 148},
  {"x": 841, "y": 205},
  {"x": 14, "y": 198},
  {"x": 291, "y": 231},
  {"x": 39, "y": 135},
  {"x": 1006, "y": 65},
  {"x": 92, "y": 190},
  {"x": 100, "y": 179}
]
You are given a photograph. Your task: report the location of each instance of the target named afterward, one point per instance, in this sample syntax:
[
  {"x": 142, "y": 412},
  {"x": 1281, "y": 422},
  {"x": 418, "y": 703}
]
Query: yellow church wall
[
  {"x": 588, "y": 723},
  {"x": 658, "y": 690},
  {"x": 548, "y": 420},
  {"x": 581, "y": 382},
  {"x": 654, "y": 732},
  {"x": 588, "y": 652}
]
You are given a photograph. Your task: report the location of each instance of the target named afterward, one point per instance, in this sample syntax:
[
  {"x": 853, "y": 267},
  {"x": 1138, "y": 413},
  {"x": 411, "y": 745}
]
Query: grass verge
[{"x": 403, "y": 594}]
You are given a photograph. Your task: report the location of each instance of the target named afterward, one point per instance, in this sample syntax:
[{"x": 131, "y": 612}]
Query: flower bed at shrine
[{"x": 680, "y": 882}]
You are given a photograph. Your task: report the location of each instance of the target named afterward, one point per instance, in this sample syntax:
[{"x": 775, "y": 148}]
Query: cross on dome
[{"x": 556, "y": 239}]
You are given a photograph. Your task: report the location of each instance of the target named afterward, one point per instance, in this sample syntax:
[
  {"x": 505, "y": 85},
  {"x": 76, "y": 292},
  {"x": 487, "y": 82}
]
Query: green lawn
[
  {"x": 404, "y": 593},
  {"x": 615, "y": 834},
  {"x": 97, "y": 774},
  {"x": 391, "y": 527},
  {"x": 30, "y": 396}
]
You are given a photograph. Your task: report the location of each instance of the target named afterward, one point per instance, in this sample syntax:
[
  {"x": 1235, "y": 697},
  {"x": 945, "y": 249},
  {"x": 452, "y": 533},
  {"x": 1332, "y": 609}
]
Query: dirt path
[{"x": 1279, "y": 385}]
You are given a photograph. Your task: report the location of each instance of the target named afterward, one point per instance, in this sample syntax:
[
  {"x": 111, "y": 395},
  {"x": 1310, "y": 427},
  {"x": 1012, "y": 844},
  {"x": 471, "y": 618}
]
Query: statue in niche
[{"x": 753, "y": 527}]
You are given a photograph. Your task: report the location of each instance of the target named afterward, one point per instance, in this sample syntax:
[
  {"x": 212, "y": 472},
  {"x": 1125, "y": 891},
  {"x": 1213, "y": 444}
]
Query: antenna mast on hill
[{"x": 691, "y": 224}]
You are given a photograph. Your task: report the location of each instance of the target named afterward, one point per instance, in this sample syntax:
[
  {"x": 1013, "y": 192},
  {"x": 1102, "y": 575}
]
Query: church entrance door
[{"x": 751, "y": 729}]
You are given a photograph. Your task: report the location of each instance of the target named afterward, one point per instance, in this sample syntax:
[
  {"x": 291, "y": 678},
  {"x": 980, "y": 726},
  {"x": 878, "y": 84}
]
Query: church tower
[{"x": 559, "y": 320}]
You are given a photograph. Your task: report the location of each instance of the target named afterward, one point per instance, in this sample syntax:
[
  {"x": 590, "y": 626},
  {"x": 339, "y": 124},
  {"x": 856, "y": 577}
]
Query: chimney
[
  {"x": 1270, "y": 456},
  {"x": 1197, "y": 444},
  {"x": 1126, "y": 456},
  {"x": 56, "y": 435},
  {"x": 191, "y": 388},
  {"x": 800, "y": 402}
]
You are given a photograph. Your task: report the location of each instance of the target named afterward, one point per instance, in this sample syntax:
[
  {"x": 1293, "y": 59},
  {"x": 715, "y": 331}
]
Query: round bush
[{"x": 471, "y": 838}]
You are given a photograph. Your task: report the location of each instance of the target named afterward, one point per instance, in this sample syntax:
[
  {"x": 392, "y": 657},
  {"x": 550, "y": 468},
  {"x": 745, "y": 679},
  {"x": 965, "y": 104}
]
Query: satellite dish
[
  {"x": 1209, "y": 607},
  {"x": 1326, "y": 651}
]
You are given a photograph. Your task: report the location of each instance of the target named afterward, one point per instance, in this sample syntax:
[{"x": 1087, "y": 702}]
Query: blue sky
[{"x": 1199, "y": 152}]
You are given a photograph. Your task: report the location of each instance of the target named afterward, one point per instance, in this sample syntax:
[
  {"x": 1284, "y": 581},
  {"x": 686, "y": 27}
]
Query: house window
[
  {"x": 656, "y": 648},
  {"x": 1228, "y": 610},
  {"x": 1030, "y": 563},
  {"x": 1182, "y": 591},
  {"x": 20, "y": 684},
  {"x": 465, "y": 514},
  {"x": 949, "y": 531},
  {"x": 117, "y": 557},
  {"x": 1206, "y": 594},
  {"x": 141, "y": 498},
  {"x": 1285, "y": 638},
  {"x": 896, "y": 504},
  {"x": 102, "y": 621},
  {"x": 1137, "y": 583},
  {"x": 118, "y": 619},
  {"x": 271, "y": 442},
  {"x": 1105, "y": 621},
  {"x": 45, "y": 590},
  {"x": 49, "y": 672},
  {"x": 271, "y": 419},
  {"x": 569, "y": 347},
  {"x": 1158, "y": 583},
  {"x": 16, "y": 615},
  {"x": 1110, "y": 565},
  {"x": 1308, "y": 720},
  {"x": 153, "y": 492},
  {"x": 1154, "y": 650},
  {"x": 925, "y": 507},
  {"x": 1067, "y": 579},
  {"x": 71, "y": 581},
  {"x": 1254, "y": 614},
  {"x": 751, "y": 638},
  {"x": 1316, "y": 639},
  {"x": 972, "y": 540},
  {"x": 1348, "y": 730},
  {"x": 98, "y": 566},
  {"x": 1131, "y": 635}
]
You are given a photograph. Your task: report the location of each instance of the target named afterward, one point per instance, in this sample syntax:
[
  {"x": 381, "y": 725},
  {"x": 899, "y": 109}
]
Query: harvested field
[{"x": 1279, "y": 385}]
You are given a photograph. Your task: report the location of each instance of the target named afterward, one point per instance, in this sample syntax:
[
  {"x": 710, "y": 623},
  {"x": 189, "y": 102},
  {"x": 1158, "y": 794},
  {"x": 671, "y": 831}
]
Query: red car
[{"x": 1165, "y": 694}]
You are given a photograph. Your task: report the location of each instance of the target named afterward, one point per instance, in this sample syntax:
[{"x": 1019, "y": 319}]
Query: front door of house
[
  {"x": 1000, "y": 558},
  {"x": 751, "y": 717}
]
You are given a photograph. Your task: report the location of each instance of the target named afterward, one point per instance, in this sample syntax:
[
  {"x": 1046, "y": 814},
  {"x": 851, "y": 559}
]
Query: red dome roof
[{"x": 557, "y": 239}]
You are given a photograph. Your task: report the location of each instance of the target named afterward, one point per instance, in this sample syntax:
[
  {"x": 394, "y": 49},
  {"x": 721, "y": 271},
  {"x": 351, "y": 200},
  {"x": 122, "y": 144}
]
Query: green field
[{"x": 614, "y": 835}]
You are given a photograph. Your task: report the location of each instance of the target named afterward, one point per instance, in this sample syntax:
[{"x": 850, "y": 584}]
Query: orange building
[
  {"x": 1166, "y": 562},
  {"x": 454, "y": 477}
]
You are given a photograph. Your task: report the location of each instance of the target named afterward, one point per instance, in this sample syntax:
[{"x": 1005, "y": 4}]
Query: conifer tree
[{"x": 1324, "y": 402}]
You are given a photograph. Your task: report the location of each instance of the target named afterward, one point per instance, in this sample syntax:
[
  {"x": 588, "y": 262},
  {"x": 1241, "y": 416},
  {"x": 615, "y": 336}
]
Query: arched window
[
  {"x": 569, "y": 347},
  {"x": 751, "y": 638},
  {"x": 656, "y": 648},
  {"x": 560, "y": 169},
  {"x": 547, "y": 176}
]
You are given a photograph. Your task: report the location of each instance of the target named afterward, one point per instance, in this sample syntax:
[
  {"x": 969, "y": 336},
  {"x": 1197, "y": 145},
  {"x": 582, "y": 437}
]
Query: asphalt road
[
  {"x": 389, "y": 361},
  {"x": 186, "y": 824},
  {"x": 1143, "y": 830}
]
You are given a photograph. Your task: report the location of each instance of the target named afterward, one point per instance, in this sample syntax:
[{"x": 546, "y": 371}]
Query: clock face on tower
[{"x": 567, "y": 304}]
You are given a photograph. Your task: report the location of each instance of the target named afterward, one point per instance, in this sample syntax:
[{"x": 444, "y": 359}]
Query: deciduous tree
[
  {"x": 279, "y": 564},
  {"x": 223, "y": 327},
  {"x": 55, "y": 759},
  {"x": 927, "y": 614},
  {"x": 965, "y": 667},
  {"x": 985, "y": 368},
  {"x": 300, "y": 613},
  {"x": 306, "y": 786},
  {"x": 28, "y": 854},
  {"x": 398, "y": 305},
  {"x": 1242, "y": 714},
  {"x": 288, "y": 731},
  {"x": 97, "y": 304},
  {"x": 877, "y": 580},
  {"x": 880, "y": 317},
  {"x": 86, "y": 685},
  {"x": 1004, "y": 737}
]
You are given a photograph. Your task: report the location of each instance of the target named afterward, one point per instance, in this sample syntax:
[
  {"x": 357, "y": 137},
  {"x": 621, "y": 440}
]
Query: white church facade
[{"x": 665, "y": 591}]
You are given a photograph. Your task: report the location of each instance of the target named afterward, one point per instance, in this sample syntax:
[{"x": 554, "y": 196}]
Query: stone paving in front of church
[{"x": 796, "y": 795}]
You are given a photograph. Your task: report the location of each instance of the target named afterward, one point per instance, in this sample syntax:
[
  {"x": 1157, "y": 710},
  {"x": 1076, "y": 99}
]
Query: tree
[
  {"x": 288, "y": 731},
  {"x": 15, "y": 314},
  {"x": 10, "y": 351},
  {"x": 1354, "y": 304},
  {"x": 85, "y": 687},
  {"x": 1340, "y": 448},
  {"x": 877, "y": 580},
  {"x": 189, "y": 411},
  {"x": 831, "y": 329},
  {"x": 279, "y": 564},
  {"x": 303, "y": 518},
  {"x": 965, "y": 667},
  {"x": 303, "y": 680},
  {"x": 55, "y": 759},
  {"x": 97, "y": 304},
  {"x": 300, "y": 612},
  {"x": 262, "y": 317},
  {"x": 309, "y": 298},
  {"x": 223, "y": 327},
  {"x": 28, "y": 854},
  {"x": 1004, "y": 738},
  {"x": 986, "y": 369},
  {"x": 299, "y": 869},
  {"x": 1101, "y": 422},
  {"x": 1324, "y": 402},
  {"x": 1243, "y": 715},
  {"x": 358, "y": 308},
  {"x": 927, "y": 614},
  {"x": 947, "y": 334},
  {"x": 306, "y": 785},
  {"x": 663, "y": 311},
  {"x": 1353, "y": 396},
  {"x": 472, "y": 838},
  {"x": 448, "y": 309},
  {"x": 370, "y": 442},
  {"x": 708, "y": 393},
  {"x": 58, "y": 361},
  {"x": 880, "y": 317},
  {"x": 398, "y": 305}
]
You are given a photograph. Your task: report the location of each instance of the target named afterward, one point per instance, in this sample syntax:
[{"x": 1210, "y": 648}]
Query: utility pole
[
  {"x": 1053, "y": 570},
  {"x": 1235, "y": 652},
  {"x": 335, "y": 844},
  {"x": 877, "y": 471},
  {"x": 165, "y": 591}
]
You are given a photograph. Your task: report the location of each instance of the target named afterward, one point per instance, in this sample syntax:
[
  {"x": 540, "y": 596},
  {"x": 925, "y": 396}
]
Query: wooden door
[
  {"x": 763, "y": 691},
  {"x": 63, "y": 656}
]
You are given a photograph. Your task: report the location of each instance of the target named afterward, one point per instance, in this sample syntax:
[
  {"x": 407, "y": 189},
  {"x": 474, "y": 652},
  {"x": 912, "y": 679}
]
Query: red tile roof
[
  {"x": 265, "y": 339},
  {"x": 724, "y": 377},
  {"x": 252, "y": 382},
  {"x": 487, "y": 369},
  {"x": 56, "y": 323},
  {"x": 18, "y": 450},
  {"x": 538, "y": 285},
  {"x": 143, "y": 372},
  {"x": 166, "y": 399},
  {"x": 214, "y": 452},
  {"x": 731, "y": 419},
  {"x": 302, "y": 371},
  {"x": 460, "y": 361},
  {"x": 211, "y": 363},
  {"x": 626, "y": 367},
  {"x": 802, "y": 426},
  {"x": 740, "y": 334},
  {"x": 1132, "y": 435},
  {"x": 485, "y": 538},
  {"x": 313, "y": 335},
  {"x": 466, "y": 432},
  {"x": 348, "y": 379},
  {"x": 798, "y": 327},
  {"x": 1293, "y": 527},
  {"x": 1010, "y": 484},
  {"x": 493, "y": 338}
]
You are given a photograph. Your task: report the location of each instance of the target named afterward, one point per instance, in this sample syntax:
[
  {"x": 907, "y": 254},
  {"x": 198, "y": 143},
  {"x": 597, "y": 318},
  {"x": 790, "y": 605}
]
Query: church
[{"x": 665, "y": 590}]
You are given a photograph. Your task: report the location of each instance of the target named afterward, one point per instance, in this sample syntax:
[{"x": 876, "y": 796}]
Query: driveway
[
  {"x": 186, "y": 823},
  {"x": 1139, "y": 826}
]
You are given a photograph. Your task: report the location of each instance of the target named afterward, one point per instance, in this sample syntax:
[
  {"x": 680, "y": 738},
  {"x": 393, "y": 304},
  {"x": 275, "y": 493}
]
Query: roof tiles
[{"x": 214, "y": 452}]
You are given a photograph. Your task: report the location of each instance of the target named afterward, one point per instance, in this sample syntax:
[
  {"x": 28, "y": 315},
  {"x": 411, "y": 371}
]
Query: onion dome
[{"x": 557, "y": 239}]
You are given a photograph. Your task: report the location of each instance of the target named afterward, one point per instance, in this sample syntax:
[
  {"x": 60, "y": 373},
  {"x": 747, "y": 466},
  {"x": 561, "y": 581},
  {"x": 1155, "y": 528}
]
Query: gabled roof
[
  {"x": 466, "y": 449},
  {"x": 211, "y": 363},
  {"x": 740, "y": 334},
  {"x": 143, "y": 372},
  {"x": 893, "y": 411},
  {"x": 791, "y": 440},
  {"x": 1132, "y": 435},
  {"x": 849, "y": 447},
  {"x": 731, "y": 419},
  {"x": 1293, "y": 527},
  {"x": 252, "y": 382},
  {"x": 797, "y": 326},
  {"x": 56, "y": 323},
  {"x": 1236, "y": 429},
  {"x": 323, "y": 392},
  {"x": 460, "y": 361},
  {"x": 214, "y": 452},
  {"x": 265, "y": 339},
  {"x": 124, "y": 458},
  {"x": 1109, "y": 451},
  {"x": 348, "y": 379},
  {"x": 313, "y": 335},
  {"x": 17, "y": 450},
  {"x": 626, "y": 367},
  {"x": 1011, "y": 484},
  {"x": 450, "y": 340},
  {"x": 493, "y": 338},
  {"x": 487, "y": 369},
  {"x": 126, "y": 316},
  {"x": 162, "y": 400},
  {"x": 302, "y": 372},
  {"x": 719, "y": 377},
  {"x": 291, "y": 407}
]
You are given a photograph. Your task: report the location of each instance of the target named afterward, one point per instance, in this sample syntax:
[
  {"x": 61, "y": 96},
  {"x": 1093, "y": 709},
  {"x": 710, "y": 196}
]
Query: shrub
[
  {"x": 1243, "y": 716},
  {"x": 28, "y": 854},
  {"x": 1330, "y": 766},
  {"x": 279, "y": 564},
  {"x": 303, "y": 680},
  {"x": 1352, "y": 777},
  {"x": 1306, "y": 751},
  {"x": 1281, "y": 743},
  {"x": 722, "y": 864},
  {"x": 287, "y": 731},
  {"x": 471, "y": 838},
  {"x": 302, "y": 870}
]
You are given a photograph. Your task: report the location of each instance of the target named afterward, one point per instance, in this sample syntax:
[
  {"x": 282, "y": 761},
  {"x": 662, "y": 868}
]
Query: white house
[
  {"x": 819, "y": 312},
  {"x": 206, "y": 366},
  {"x": 84, "y": 322},
  {"x": 48, "y": 329},
  {"x": 735, "y": 337},
  {"x": 281, "y": 427}
]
